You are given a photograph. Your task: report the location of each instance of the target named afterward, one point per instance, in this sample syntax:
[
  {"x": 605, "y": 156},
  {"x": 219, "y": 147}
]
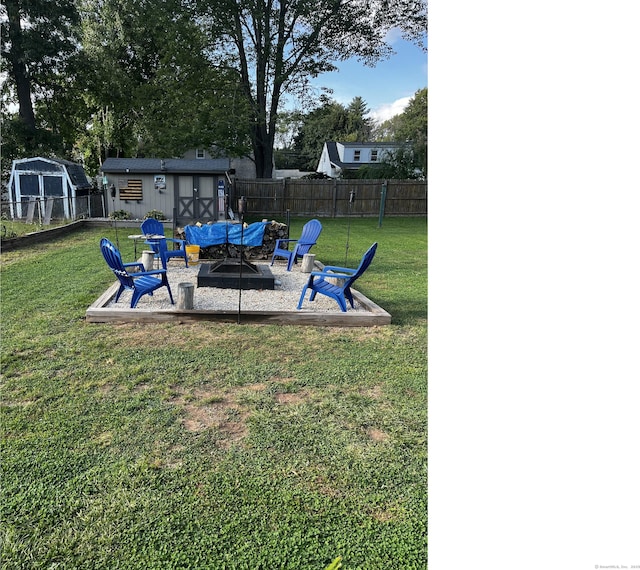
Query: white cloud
[
  {"x": 388, "y": 110},
  {"x": 393, "y": 35}
]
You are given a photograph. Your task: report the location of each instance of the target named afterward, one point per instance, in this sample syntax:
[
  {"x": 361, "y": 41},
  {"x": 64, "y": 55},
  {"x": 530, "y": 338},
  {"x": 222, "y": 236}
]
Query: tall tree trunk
[
  {"x": 262, "y": 144},
  {"x": 19, "y": 71}
]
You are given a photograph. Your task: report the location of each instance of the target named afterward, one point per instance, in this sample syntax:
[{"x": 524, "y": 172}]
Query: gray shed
[
  {"x": 181, "y": 189},
  {"x": 62, "y": 183}
]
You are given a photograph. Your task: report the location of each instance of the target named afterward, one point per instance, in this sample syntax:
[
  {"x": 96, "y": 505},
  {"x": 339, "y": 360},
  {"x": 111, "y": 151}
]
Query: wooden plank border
[{"x": 373, "y": 315}]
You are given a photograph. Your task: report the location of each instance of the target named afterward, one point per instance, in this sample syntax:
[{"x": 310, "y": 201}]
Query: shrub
[
  {"x": 155, "y": 214},
  {"x": 120, "y": 215}
]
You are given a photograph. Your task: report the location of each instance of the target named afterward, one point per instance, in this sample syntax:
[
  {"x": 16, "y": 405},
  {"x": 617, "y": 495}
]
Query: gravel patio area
[{"x": 285, "y": 296}]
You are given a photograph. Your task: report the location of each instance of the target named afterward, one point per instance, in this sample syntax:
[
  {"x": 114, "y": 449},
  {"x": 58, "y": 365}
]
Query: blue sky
[{"x": 385, "y": 88}]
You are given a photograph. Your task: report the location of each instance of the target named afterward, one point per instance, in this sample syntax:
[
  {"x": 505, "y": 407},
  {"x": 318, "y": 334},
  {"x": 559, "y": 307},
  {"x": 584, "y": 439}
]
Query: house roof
[
  {"x": 370, "y": 144},
  {"x": 334, "y": 156},
  {"x": 170, "y": 165}
]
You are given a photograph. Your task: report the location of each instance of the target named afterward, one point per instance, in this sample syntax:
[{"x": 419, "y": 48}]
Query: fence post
[
  {"x": 335, "y": 197},
  {"x": 284, "y": 196},
  {"x": 383, "y": 199}
]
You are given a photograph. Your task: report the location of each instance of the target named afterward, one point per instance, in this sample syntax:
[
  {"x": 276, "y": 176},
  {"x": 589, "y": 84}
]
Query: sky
[{"x": 386, "y": 88}]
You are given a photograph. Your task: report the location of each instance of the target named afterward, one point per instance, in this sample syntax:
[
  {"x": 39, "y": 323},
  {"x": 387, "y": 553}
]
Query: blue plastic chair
[
  {"x": 318, "y": 284},
  {"x": 141, "y": 282},
  {"x": 151, "y": 226},
  {"x": 307, "y": 240}
]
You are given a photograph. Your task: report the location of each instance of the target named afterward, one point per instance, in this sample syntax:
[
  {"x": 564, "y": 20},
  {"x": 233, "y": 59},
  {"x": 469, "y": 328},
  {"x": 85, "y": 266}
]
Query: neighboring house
[
  {"x": 65, "y": 183},
  {"x": 184, "y": 189},
  {"x": 339, "y": 156},
  {"x": 285, "y": 173},
  {"x": 244, "y": 166}
]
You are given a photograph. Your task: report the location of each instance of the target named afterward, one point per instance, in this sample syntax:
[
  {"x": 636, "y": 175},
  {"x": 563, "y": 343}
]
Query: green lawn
[
  {"x": 213, "y": 445},
  {"x": 13, "y": 228}
]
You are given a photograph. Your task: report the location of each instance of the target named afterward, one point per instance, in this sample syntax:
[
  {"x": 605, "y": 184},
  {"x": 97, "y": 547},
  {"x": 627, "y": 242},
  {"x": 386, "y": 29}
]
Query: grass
[
  {"x": 15, "y": 228},
  {"x": 213, "y": 445}
]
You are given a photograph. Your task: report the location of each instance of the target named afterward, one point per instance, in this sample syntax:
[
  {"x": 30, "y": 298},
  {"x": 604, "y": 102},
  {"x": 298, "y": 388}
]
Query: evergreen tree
[{"x": 359, "y": 126}]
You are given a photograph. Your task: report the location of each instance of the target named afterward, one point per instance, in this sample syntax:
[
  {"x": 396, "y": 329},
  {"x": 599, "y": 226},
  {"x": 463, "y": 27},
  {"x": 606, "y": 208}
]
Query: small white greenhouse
[{"x": 59, "y": 185}]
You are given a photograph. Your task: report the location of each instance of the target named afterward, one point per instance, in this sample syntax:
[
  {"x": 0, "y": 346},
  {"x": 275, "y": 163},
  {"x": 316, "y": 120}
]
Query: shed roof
[
  {"x": 170, "y": 165},
  {"x": 76, "y": 172}
]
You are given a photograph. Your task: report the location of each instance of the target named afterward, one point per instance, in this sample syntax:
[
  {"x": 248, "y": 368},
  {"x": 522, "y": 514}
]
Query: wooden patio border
[{"x": 373, "y": 315}]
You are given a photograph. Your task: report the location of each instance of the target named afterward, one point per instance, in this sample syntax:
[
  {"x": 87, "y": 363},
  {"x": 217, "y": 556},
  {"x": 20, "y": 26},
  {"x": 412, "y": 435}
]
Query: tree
[
  {"x": 38, "y": 41},
  {"x": 413, "y": 126},
  {"x": 399, "y": 164},
  {"x": 359, "y": 126},
  {"x": 331, "y": 121},
  {"x": 278, "y": 45},
  {"x": 410, "y": 126},
  {"x": 149, "y": 90}
]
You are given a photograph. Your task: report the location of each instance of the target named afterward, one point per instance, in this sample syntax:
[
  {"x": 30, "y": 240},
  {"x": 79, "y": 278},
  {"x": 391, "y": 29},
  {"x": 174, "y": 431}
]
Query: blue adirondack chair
[
  {"x": 310, "y": 232},
  {"x": 151, "y": 226},
  {"x": 318, "y": 284},
  {"x": 141, "y": 283}
]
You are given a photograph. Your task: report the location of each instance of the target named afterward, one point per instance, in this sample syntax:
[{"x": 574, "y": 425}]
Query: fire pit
[
  {"x": 226, "y": 274},
  {"x": 236, "y": 273}
]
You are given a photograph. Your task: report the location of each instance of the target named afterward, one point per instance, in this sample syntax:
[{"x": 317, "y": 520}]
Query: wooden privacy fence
[{"x": 334, "y": 198}]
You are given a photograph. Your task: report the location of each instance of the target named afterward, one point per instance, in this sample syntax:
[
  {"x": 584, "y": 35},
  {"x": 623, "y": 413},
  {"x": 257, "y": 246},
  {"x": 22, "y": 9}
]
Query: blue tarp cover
[{"x": 216, "y": 234}]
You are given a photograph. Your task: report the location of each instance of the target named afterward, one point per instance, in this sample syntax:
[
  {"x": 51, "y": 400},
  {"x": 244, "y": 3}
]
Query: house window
[
  {"x": 199, "y": 153},
  {"x": 356, "y": 156},
  {"x": 374, "y": 156}
]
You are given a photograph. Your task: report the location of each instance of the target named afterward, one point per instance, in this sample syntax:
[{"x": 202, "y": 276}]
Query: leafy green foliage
[
  {"x": 120, "y": 215},
  {"x": 410, "y": 125},
  {"x": 336, "y": 564},
  {"x": 276, "y": 47},
  {"x": 212, "y": 445},
  {"x": 163, "y": 97},
  {"x": 35, "y": 58},
  {"x": 140, "y": 78},
  {"x": 400, "y": 164},
  {"x": 330, "y": 121},
  {"x": 155, "y": 214}
]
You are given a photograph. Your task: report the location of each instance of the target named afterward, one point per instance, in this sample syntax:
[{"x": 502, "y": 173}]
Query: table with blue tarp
[{"x": 221, "y": 233}]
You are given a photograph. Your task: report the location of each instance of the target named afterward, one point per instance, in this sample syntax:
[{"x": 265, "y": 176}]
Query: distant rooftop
[
  {"x": 158, "y": 165},
  {"x": 369, "y": 144}
]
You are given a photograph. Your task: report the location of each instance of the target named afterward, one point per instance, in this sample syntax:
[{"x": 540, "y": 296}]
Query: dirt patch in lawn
[
  {"x": 206, "y": 408},
  {"x": 289, "y": 398},
  {"x": 377, "y": 434},
  {"x": 225, "y": 409}
]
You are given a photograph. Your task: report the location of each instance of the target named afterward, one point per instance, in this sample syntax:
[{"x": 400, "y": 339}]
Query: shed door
[
  {"x": 207, "y": 198},
  {"x": 43, "y": 186},
  {"x": 186, "y": 198},
  {"x": 53, "y": 188},
  {"x": 196, "y": 199}
]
